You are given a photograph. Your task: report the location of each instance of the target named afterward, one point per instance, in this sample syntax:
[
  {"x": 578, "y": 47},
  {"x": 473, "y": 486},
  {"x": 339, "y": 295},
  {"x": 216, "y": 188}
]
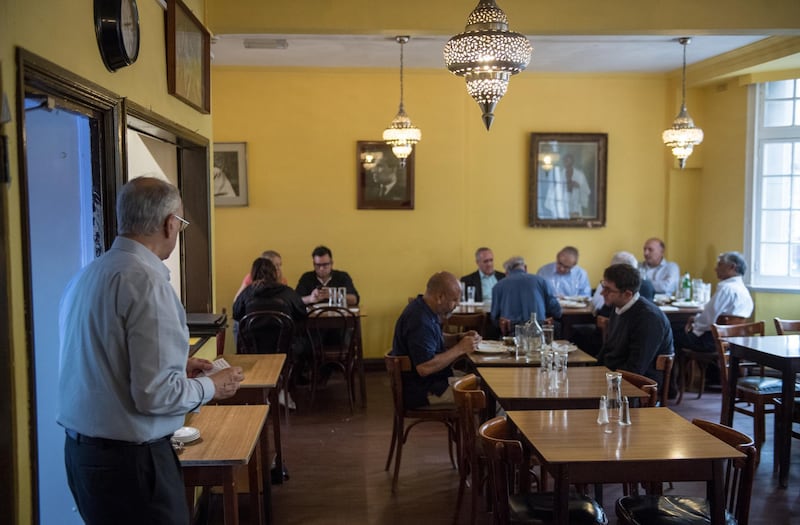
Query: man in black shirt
[{"x": 313, "y": 286}]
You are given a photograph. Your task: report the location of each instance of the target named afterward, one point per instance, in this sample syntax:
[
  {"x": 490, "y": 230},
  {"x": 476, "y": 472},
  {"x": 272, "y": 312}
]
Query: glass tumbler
[{"x": 342, "y": 296}]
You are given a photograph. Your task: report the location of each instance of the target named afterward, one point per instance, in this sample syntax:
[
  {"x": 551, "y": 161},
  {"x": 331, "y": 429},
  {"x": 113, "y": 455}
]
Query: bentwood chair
[
  {"x": 471, "y": 405},
  {"x": 269, "y": 332},
  {"x": 332, "y": 333},
  {"x": 664, "y": 364},
  {"x": 786, "y": 326},
  {"x": 689, "y": 358},
  {"x": 458, "y": 323},
  {"x": 445, "y": 414},
  {"x": 515, "y": 505},
  {"x": 642, "y": 383},
  {"x": 758, "y": 391},
  {"x": 669, "y": 510}
]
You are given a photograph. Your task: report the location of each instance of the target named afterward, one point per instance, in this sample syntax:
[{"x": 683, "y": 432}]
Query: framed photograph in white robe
[
  {"x": 230, "y": 174},
  {"x": 567, "y": 176}
]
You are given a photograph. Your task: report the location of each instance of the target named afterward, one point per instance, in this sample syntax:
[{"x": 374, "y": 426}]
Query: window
[{"x": 775, "y": 230}]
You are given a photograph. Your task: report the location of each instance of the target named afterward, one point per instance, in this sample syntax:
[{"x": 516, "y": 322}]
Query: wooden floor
[{"x": 336, "y": 462}]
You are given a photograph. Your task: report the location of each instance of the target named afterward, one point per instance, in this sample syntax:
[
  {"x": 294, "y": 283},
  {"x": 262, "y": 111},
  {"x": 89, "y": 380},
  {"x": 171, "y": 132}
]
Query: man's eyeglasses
[
  {"x": 184, "y": 222},
  {"x": 322, "y": 265},
  {"x": 608, "y": 289}
]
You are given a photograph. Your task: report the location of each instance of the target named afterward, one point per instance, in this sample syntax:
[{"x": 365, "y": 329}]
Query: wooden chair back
[
  {"x": 720, "y": 332},
  {"x": 730, "y": 319},
  {"x": 739, "y": 472},
  {"x": 395, "y": 366},
  {"x": 504, "y": 456},
  {"x": 664, "y": 364},
  {"x": 642, "y": 383},
  {"x": 332, "y": 332},
  {"x": 786, "y": 326},
  {"x": 470, "y": 403},
  {"x": 602, "y": 325},
  {"x": 457, "y": 323},
  {"x": 266, "y": 332}
]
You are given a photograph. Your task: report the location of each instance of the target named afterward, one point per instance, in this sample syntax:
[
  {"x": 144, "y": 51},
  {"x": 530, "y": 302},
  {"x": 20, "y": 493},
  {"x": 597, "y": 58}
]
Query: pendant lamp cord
[{"x": 401, "y": 73}]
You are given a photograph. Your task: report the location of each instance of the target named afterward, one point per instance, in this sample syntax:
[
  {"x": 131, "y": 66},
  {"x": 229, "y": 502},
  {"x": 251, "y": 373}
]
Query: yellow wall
[
  {"x": 301, "y": 128},
  {"x": 63, "y": 32}
]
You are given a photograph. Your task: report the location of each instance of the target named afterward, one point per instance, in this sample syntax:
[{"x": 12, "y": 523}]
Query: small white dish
[
  {"x": 186, "y": 434},
  {"x": 492, "y": 347}
]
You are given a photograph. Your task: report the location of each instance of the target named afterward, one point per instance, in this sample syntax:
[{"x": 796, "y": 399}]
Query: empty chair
[
  {"x": 786, "y": 326},
  {"x": 269, "y": 332},
  {"x": 689, "y": 358},
  {"x": 758, "y": 391},
  {"x": 395, "y": 366},
  {"x": 510, "y": 503},
  {"x": 471, "y": 404},
  {"x": 457, "y": 323},
  {"x": 669, "y": 510},
  {"x": 332, "y": 333},
  {"x": 664, "y": 363},
  {"x": 642, "y": 383}
]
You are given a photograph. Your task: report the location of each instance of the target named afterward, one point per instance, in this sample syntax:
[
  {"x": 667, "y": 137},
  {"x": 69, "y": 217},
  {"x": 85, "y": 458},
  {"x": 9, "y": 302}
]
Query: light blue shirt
[
  {"x": 665, "y": 277},
  {"x": 124, "y": 346},
  {"x": 574, "y": 282},
  {"x": 487, "y": 283}
]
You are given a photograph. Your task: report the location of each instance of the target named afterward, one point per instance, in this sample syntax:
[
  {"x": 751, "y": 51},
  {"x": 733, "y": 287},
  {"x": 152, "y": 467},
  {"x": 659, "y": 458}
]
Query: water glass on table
[
  {"x": 332, "y": 296},
  {"x": 342, "y": 296},
  {"x": 470, "y": 294},
  {"x": 519, "y": 341},
  {"x": 547, "y": 330}
]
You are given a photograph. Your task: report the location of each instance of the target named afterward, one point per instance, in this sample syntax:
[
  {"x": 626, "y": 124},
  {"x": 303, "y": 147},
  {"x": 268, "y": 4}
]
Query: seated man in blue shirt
[
  {"x": 418, "y": 334},
  {"x": 565, "y": 276},
  {"x": 520, "y": 294}
]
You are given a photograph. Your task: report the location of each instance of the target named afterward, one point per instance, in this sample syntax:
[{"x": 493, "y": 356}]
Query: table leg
[
  {"x": 783, "y": 442},
  {"x": 726, "y": 417},
  {"x": 360, "y": 357},
  {"x": 561, "y": 498},
  {"x": 266, "y": 478},
  {"x": 254, "y": 479},
  {"x": 230, "y": 499},
  {"x": 275, "y": 415},
  {"x": 715, "y": 491}
]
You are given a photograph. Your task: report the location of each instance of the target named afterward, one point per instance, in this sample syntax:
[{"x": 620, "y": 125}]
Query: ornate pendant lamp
[
  {"x": 486, "y": 54},
  {"x": 401, "y": 134},
  {"x": 683, "y": 136}
]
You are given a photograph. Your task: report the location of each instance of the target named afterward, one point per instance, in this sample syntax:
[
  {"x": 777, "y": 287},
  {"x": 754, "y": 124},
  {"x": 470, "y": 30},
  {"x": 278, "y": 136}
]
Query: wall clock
[{"x": 116, "y": 24}]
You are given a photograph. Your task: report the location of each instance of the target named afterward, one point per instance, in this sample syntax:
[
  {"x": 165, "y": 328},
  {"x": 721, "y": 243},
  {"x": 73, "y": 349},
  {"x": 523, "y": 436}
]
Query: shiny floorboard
[{"x": 336, "y": 460}]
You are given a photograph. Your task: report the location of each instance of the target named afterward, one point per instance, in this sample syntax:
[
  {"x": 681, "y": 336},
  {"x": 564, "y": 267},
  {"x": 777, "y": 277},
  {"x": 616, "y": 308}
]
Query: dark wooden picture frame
[
  {"x": 230, "y": 174},
  {"x": 188, "y": 57},
  {"x": 567, "y": 178},
  {"x": 382, "y": 182}
]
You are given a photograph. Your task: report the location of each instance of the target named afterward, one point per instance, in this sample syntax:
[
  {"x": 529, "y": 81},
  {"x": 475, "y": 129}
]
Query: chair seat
[
  {"x": 537, "y": 507},
  {"x": 665, "y": 510},
  {"x": 762, "y": 385}
]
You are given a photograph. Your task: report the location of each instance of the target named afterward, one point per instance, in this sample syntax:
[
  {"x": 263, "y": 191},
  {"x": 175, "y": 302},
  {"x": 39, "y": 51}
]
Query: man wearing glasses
[
  {"x": 565, "y": 276},
  {"x": 638, "y": 330},
  {"x": 313, "y": 286}
]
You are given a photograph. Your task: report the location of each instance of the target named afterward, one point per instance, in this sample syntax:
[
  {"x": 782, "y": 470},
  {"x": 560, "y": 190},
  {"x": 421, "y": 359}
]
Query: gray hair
[
  {"x": 479, "y": 250},
  {"x": 144, "y": 203},
  {"x": 513, "y": 263},
  {"x": 270, "y": 254},
  {"x": 625, "y": 258},
  {"x": 735, "y": 259}
]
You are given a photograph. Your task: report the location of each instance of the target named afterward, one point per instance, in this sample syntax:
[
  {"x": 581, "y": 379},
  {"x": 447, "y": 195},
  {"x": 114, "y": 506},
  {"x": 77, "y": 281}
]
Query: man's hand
[
  {"x": 226, "y": 382},
  {"x": 689, "y": 324},
  {"x": 196, "y": 366},
  {"x": 469, "y": 343}
]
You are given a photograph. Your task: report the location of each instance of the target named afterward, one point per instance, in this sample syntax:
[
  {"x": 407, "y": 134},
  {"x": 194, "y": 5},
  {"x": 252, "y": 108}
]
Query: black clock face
[{"x": 117, "y": 29}]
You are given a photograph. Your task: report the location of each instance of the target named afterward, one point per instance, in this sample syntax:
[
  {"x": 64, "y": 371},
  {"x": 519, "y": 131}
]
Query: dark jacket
[
  {"x": 273, "y": 296},
  {"x": 474, "y": 279}
]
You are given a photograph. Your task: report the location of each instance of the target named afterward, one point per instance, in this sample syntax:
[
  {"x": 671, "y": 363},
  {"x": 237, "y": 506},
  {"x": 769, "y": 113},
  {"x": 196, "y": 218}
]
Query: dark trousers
[
  {"x": 122, "y": 483},
  {"x": 705, "y": 343}
]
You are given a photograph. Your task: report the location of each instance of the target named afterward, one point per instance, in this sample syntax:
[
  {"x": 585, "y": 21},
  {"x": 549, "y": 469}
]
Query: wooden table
[
  {"x": 659, "y": 445},
  {"x": 575, "y": 358},
  {"x": 229, "y": 436},
  {"x": 781, "y": 352},
  {"x": 261, "y": 375},
  {"x": 526, "y": 388}
]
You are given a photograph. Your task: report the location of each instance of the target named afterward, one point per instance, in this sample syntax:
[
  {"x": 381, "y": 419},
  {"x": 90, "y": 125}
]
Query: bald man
[
  {"x": 664, "y": 275},
  {"x": 418, "y": 334}
]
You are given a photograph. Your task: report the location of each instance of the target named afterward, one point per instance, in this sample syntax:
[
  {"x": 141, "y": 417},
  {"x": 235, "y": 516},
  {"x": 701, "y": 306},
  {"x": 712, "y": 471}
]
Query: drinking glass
[
  {"x": 342, "y": 296},
  {"x": 470, "y": 294},
  {"x": 548, "y": 336},
  {"x": 463, "y": 292},
  {"x": 331, "y": 293},
  {"x": 519, "y": 340}
]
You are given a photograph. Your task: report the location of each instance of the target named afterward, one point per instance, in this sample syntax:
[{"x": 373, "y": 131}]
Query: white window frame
[{"x": 757, "y": 136}]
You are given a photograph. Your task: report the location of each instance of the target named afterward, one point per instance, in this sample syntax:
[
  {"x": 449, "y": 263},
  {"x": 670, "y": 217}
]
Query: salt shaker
[
  {"x": 602, "y": 414},
  {"x": 625, "y": 417}
]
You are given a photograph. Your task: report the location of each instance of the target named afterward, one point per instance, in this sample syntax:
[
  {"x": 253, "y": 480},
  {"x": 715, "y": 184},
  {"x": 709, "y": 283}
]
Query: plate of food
[
  {"x": 492, "y": 347},
  {"x": 571, "y": 304},
  {"x": 686, "y": 304}
]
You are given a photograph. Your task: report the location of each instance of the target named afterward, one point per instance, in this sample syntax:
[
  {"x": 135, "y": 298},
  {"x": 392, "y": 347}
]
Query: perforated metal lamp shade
[
  {"x": 487, "y": 54},
  {"x": 683, "y": 136}
]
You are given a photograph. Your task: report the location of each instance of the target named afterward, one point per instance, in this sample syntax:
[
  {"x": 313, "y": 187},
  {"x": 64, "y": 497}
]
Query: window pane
[
  {"x": 776, "y": 192},
  {"x": 794, "y": 264},
  {"x": 796, "y": 193},
  {"x": 796, "y": 159},
  {"x": 774, "y": 259},
  {"x": 775, "y": 226},
  {"x": 796, "y": 113},
  {"x": 777, "y": 158},
  {"x": 780, "y": 89},
  {"x": 778, "y": 113},
  {"x": 795, "y": 235}
]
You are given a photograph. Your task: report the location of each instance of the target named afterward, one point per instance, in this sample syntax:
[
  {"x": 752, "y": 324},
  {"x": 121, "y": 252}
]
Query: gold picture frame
[{"x": 188, "y": 57}]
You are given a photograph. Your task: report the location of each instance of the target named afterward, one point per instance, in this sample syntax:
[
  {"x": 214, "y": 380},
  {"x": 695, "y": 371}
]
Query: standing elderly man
[
  {"x": 731, "y": 298},
  {"x": 418, "y": 334},
  {"x": 664, "y": 275},
  {"x": 520, "y": 294},
  {"x": 638, "y": 330},
  {"x": 565, "y": 276},
  {"x": 485, "y": 277},
  {"x": 125, "y": 384},
  {"x": 313, "y": 286}
]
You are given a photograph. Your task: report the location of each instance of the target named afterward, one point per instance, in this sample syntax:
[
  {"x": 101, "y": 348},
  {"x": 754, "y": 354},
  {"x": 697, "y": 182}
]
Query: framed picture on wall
[
  {"x": 188, "y": 57},
  {"x": 567, "y": 177},
  {"x": 230, "y": 174},
  {"x": 382, "y": 182}
]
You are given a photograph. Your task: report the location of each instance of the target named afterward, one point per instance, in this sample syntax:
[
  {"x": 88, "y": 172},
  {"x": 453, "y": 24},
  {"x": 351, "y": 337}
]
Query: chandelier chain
[{"x": 402, "y": 45}]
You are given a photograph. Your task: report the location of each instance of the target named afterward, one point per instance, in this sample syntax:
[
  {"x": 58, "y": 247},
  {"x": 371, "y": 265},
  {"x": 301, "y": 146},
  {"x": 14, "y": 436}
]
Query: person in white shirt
[
  {"x": 731, "y": 298},
  {"x": 565, "y": 276},
  {"x": 664, "y": 275}
]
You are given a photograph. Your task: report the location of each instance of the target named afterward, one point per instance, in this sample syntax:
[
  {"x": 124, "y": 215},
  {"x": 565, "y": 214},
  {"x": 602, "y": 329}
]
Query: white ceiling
[{"x": 567, "y": 54}]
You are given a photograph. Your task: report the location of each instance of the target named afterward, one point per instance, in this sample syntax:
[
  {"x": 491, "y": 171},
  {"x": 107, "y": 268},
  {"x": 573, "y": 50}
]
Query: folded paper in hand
[{"x": 219, "y": 364}]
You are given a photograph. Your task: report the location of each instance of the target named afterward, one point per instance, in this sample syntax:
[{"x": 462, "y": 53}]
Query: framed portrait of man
[
  {"x": 230, "y": 174},
  {"x": 568, "y": 180},
  {"x": 383, "y": 181}
]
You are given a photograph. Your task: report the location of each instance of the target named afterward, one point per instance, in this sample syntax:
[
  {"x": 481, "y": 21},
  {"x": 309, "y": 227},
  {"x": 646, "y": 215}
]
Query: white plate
[
  {"x": 492, "y": 347},
  {"x": 564, "y": 347},
  {"x": 571, "y": 304},
  {"x": 686, "y": 304},
  {"x": 469, "y": 304},
  {"x": 186, "y": 434},
  {"x": 577, "y": 298}
]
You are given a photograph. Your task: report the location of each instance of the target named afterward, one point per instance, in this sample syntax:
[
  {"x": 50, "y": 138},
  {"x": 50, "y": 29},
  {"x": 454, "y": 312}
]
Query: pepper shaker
[{"x": 625, "y": 417}]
